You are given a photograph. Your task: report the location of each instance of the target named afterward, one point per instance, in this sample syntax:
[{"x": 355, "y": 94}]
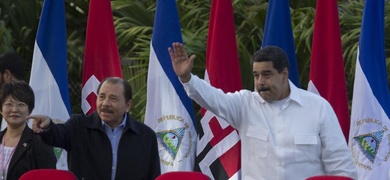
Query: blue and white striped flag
[
  {"x": 369, "y": 137},
  {"x": 49, "y": 76},
  {"x": 169, "y": 110}
]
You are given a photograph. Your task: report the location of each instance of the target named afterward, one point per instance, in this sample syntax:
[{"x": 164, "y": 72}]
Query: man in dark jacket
[{"x": 109, "y": 143}]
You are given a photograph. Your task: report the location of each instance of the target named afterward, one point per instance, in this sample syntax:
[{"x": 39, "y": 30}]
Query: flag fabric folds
[
  {"x": 369, "y": 135},
  {"x": 49, "y": 72},
  {"x": 101, "y": 56},
  {"x": 219, "y": 145},
  {"x": 278, "y": 32},
  {"x": 169, "y": 110},
  {"x": 327, "y": 77}
]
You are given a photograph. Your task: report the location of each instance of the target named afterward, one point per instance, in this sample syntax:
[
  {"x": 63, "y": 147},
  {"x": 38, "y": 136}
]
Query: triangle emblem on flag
[
  {"x": 57, "y": 152},
  {"x": 171, "y": 140},
  {"x": 369, "y": 144}
]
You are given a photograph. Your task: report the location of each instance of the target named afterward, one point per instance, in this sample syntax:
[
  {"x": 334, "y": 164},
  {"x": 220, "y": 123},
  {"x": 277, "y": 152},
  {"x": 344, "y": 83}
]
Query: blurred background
[{"x": 133, "y": 21}]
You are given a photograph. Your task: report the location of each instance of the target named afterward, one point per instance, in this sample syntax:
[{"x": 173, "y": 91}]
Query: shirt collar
[{"x": 294, "y": 94}]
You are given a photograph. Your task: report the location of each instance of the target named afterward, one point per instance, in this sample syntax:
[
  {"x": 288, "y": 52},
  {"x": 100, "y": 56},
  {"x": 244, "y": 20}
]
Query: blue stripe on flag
[
  {"x": 166, "y": 31},
  {"x": 53, "y": 46},
  {"x": 372, "y": 51},
  {"x": 278, "y": 32}
]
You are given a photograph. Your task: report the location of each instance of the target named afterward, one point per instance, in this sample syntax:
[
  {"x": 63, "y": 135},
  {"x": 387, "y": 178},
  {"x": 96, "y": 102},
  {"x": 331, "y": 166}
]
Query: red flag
[
  {"x": 327, "y": 76},
  {"x": 222, "y": 71},
  {"x": 101, "y": 56}
]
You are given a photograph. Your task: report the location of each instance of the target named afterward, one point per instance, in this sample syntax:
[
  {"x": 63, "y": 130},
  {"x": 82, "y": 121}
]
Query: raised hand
[{"x": 182, "y": 65}]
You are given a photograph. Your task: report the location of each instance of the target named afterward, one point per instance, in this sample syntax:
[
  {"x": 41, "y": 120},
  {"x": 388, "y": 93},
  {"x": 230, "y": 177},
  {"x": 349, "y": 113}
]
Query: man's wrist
[
  {"x": 185, "y": 78},
  {"x": 48, "y": 127}
]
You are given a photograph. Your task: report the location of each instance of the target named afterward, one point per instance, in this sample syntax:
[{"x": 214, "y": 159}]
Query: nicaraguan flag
[
  {"x": 49, "y": 72},
  {"x": 369, "y": 133},
  {"x": 169, "y": 110},
  {"x": 278, "y": 32}
]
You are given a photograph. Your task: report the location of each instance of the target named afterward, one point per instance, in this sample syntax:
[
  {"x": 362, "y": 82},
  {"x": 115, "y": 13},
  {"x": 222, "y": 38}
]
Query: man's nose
[
  {"x": 106, "y": 102},
  {"x": 260, "y": 80}
]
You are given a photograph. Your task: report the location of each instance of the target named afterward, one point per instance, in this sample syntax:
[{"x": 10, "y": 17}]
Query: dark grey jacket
[{"x": 90, "y": 153}]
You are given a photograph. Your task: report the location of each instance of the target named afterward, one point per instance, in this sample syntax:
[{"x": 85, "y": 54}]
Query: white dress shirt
[{"x": 292, "y": 139}]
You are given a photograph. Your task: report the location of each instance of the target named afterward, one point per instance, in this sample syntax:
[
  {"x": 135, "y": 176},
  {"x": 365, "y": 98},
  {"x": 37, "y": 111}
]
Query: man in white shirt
[{"x": 286, "y": 132}]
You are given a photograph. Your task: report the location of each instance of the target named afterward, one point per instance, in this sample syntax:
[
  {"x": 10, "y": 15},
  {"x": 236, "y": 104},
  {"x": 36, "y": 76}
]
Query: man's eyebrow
[{"x": 264, "y": 71}]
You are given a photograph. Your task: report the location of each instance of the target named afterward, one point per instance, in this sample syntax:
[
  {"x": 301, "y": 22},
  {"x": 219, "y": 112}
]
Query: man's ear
[
  {"x": 7, "y": 75},
  {"x": 129, "y": 104},
  {"x": 285, "y": 74}
]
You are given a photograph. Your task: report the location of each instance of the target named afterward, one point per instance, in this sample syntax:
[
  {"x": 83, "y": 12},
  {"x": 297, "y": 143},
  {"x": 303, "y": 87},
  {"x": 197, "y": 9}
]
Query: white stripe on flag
[
  {"x": 364, "y": 99},
  {"x": 312, "y": 88},
  {"x": 368, "y": 116},
  {"x": 165, "y": 113},
  {"x": 48, "y": 100},
  {"x": 47, "y": 94}
]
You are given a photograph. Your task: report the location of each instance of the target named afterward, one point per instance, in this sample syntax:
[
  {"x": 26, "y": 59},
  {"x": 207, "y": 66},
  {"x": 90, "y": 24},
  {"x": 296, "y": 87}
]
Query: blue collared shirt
[{"x": 114, "y": 135}]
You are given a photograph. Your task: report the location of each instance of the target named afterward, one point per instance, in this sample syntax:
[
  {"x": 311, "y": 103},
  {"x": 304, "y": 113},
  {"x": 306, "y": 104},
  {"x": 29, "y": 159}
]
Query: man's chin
[
  {"x": 107, "y": 120},
  {"x": 105, "y": 116},
  {"x": 265, "y": 96}
]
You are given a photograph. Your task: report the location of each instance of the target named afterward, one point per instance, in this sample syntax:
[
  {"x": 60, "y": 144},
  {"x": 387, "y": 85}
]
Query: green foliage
[
  {"x": 18, "y": 22},
  {"x": 76, "y": 17},
  {"x": 5, "y": 38},
  {"x": 350, "y": 21},
  {"x": 134, "y": 20}
]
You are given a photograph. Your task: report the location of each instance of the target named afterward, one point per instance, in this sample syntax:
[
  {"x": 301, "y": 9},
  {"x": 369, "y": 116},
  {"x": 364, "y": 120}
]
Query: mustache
[
  {"x": 106, "y": 110},
  {"x": 263, "y": 88}
]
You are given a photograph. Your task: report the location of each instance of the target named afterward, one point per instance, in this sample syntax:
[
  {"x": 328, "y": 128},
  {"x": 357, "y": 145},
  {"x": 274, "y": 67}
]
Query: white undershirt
[
  {"x": 5, "y": 159},
  {"x": 279, "y": 103}
]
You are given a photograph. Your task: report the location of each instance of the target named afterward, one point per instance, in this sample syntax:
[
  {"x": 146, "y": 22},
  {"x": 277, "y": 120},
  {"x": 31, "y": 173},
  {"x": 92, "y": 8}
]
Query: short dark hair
[
  {"x": 274, "y": 54},
  {"x": 19, "y": 90},
  {"x": 128, "y": 93},
  {"x": 14, "y": 63}
]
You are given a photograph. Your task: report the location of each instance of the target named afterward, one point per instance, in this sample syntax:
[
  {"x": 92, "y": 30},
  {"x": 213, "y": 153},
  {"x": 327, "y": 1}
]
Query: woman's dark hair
[{"x": 18, "y": 90}]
